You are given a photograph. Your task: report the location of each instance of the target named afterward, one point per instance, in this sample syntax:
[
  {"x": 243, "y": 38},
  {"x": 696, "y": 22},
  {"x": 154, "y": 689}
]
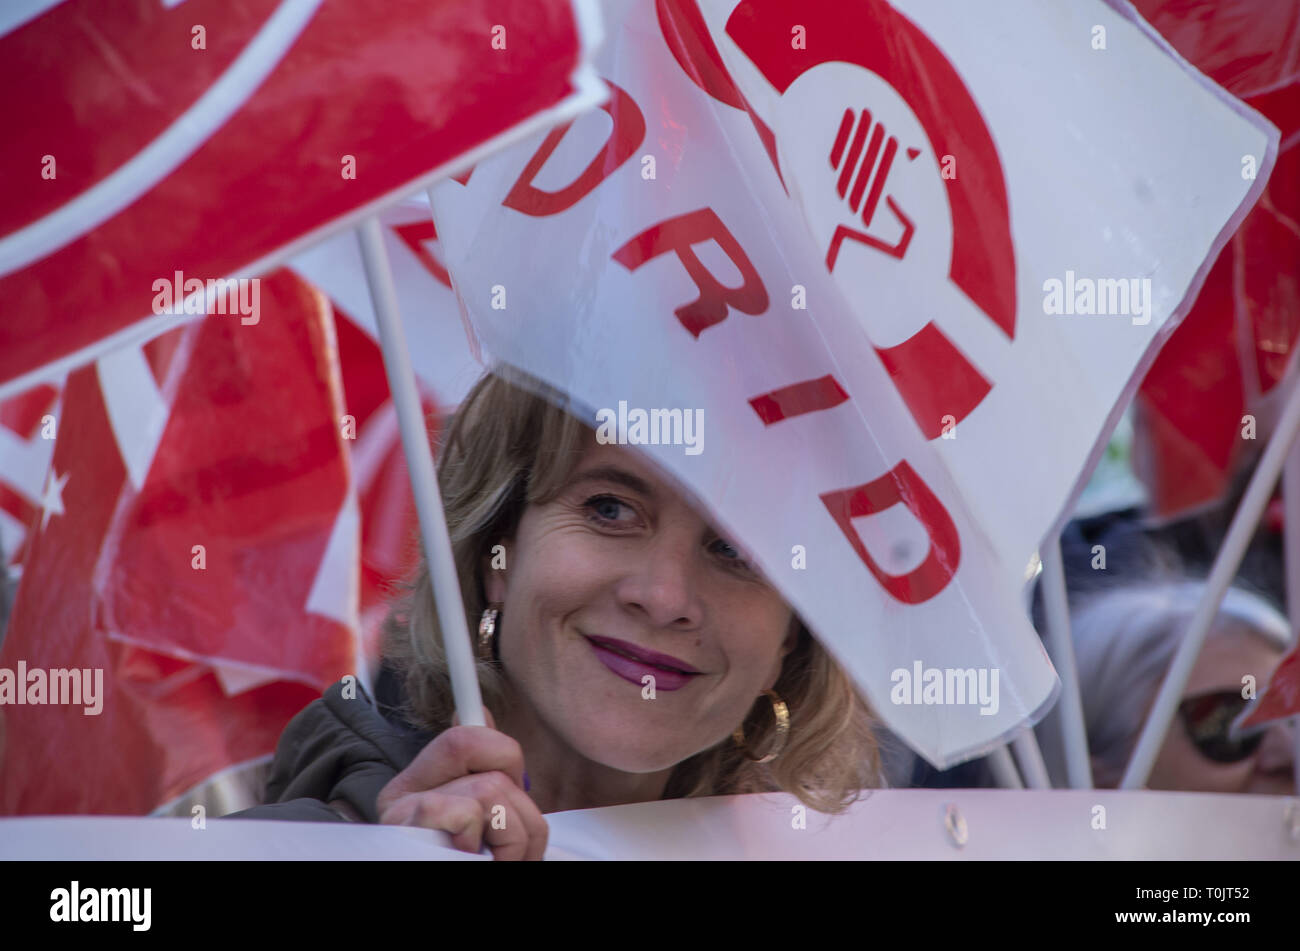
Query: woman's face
[
  {"x": 618, "y": 563},
  {"x": 1230, "y": 653}
]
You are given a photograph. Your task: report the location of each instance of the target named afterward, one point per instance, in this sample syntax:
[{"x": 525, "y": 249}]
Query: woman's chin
[
  {"x": 639, "y": 761},
  {"x": 634, "y": 738},
  {"x": 632, "y": 753}
]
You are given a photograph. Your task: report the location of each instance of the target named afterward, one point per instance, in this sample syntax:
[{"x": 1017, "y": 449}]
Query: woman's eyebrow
[{"x": 616, "y": 475}]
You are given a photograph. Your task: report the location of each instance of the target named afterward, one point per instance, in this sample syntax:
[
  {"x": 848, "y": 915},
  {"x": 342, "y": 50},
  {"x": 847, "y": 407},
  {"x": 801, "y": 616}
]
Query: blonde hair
[{"x": 508, "y": 447}]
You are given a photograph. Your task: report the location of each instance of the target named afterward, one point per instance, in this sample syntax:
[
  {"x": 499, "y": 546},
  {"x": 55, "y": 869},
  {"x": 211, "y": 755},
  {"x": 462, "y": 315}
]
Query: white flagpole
[
  {"x": 1004, "y": 768},
  {"x": 1030, "y": 758},
  {"x": 1225, "y": 569},
  {"x": 1060, "y": 647},
  {"x": 424, "y": 480},
  {"x": 1291, "y": 561}
]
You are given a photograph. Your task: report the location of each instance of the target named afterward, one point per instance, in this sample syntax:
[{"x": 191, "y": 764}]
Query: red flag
[
  {"x": 163, "y": 142},
  {"x": 200, "y": 549},
  {"x": 27, "y": 430},
  {"x": 389, "y": 544},
  {"x": 1281, "y": 698},
  {"x": 1231, "y": 351}
]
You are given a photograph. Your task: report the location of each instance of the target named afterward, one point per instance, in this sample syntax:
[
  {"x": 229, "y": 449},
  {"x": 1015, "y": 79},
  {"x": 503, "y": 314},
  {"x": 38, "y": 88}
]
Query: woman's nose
[{"x": 665, "y": 583}]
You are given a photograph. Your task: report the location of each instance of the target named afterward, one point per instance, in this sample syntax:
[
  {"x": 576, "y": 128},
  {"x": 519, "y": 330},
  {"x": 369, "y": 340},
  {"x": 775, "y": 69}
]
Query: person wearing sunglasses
[{"x": 1125, "y": 638}]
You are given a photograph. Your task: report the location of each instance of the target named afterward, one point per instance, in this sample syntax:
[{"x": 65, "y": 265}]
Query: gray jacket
[{"x": 333, "y": 759}]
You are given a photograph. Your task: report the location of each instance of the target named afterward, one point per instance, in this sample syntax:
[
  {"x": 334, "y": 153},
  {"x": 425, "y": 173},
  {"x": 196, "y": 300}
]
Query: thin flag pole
[
  {"x": 1030, "y": 758},
  {"x": 1060, "y": 647},
  {"x": 1004, "y": 768},
  {"x": 1225, "y": 569},
  {"x": 1291, "y": 561},
  {"x": 424, "y": 479}
]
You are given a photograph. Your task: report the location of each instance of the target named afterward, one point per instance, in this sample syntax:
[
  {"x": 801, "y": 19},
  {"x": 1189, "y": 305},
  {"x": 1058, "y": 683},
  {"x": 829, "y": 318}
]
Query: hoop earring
[
  {"x": 487, "y": 626},
  {"x": 781, "y": 713}
]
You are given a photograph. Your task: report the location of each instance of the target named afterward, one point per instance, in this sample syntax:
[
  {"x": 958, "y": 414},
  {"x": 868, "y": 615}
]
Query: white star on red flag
[{"x": 52, "y": 497}]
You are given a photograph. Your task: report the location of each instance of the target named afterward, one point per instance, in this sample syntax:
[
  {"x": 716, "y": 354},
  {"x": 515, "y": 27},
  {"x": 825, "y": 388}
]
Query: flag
[
  {"x": 1205, "y": 401},
  {"x": 431, "y": 321},
  {"x": 906, "y": 288},
  {"x": 27, "y": 428},
  {"x": 187, "y": 143},
  {"x": 1281, "y": 698},
  {"x": 389, "y": 549},
  {"x": 198, "y": 548}
]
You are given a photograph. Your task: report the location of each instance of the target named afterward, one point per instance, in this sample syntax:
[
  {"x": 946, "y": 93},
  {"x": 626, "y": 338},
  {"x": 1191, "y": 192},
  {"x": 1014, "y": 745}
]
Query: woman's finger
[
  {"x": 456, "y": 752},
  {"x": 514, "y": 828},
  {"x": 476, "y": 809},
  {"x": 461, "y": 817}
]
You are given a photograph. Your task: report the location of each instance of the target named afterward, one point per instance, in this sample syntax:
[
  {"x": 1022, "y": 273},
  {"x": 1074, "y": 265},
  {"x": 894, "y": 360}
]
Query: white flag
[{"x": 904, "y": 261}]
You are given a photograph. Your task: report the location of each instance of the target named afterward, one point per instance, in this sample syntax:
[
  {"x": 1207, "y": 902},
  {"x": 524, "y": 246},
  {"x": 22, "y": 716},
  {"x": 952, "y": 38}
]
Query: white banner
[
  {"x": 900, "y": 350},
  {"x": 930, "y": 824}
]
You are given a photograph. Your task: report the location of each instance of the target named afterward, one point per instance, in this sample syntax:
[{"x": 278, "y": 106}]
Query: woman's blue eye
[
  {"x": 606, "y": 507},
  {"x": 729, "y": 548},
  {"x": 730, "y": 552}
]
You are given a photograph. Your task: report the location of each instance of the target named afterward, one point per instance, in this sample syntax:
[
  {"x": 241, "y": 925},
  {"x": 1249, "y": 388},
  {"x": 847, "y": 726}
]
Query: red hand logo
[{"x": 849, "y": 162}]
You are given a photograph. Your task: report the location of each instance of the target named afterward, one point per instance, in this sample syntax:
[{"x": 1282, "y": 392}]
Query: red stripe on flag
[
  {"x": 868, "y": 163},
  {"x": 842, "y": 138},
  {"x": 22, "y": 413},
  {"x": 874, "y": 198},
  {"x": 934, "y": 378},
  {"x": 797, "y": 399},
  {"x": 855, "y": 150}
]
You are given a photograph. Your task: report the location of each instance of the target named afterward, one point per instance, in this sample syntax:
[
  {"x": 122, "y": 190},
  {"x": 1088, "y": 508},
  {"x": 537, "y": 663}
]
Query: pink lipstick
[{"x": 633, "y": 663}]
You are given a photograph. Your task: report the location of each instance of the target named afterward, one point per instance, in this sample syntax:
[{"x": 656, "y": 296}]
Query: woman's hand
[{"x": 469, "y": 782}]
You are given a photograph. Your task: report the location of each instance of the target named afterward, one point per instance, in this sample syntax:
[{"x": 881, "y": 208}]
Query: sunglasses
[{"x": 1208, "y": 719}]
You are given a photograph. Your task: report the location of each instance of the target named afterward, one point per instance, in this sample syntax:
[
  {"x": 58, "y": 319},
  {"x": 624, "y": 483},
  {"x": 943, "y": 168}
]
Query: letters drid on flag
[{"x": 840, "y": 258}]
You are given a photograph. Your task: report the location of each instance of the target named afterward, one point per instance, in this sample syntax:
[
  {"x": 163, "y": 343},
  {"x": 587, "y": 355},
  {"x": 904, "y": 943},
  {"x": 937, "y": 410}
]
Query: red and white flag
[
  {"x": 28, "y": 424},
  {"x": 389, "y": 548},
  {"x": 903, "y": 286},
  {"x": 198, "y": 546},
  {"x": 1281, "y": 698},
  {"x": 431, "y": 319},
  {"x": 198, "y": 141},
  {"x": 1230, "y": 358},
  {"x": 386, "y": 550}
]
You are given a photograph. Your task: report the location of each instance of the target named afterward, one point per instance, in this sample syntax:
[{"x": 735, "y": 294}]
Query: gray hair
[{"x": 1124, "y": 641}]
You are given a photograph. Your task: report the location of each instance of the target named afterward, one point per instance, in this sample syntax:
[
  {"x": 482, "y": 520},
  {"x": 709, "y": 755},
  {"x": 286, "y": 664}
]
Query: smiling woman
[{"x": 627, "y": 653}]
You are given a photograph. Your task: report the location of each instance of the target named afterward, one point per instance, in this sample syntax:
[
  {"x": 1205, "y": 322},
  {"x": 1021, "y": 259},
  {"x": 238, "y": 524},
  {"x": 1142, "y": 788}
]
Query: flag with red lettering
[
  {"x": 903, "y": 261},
  {"x": 158, "y": 146}
]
